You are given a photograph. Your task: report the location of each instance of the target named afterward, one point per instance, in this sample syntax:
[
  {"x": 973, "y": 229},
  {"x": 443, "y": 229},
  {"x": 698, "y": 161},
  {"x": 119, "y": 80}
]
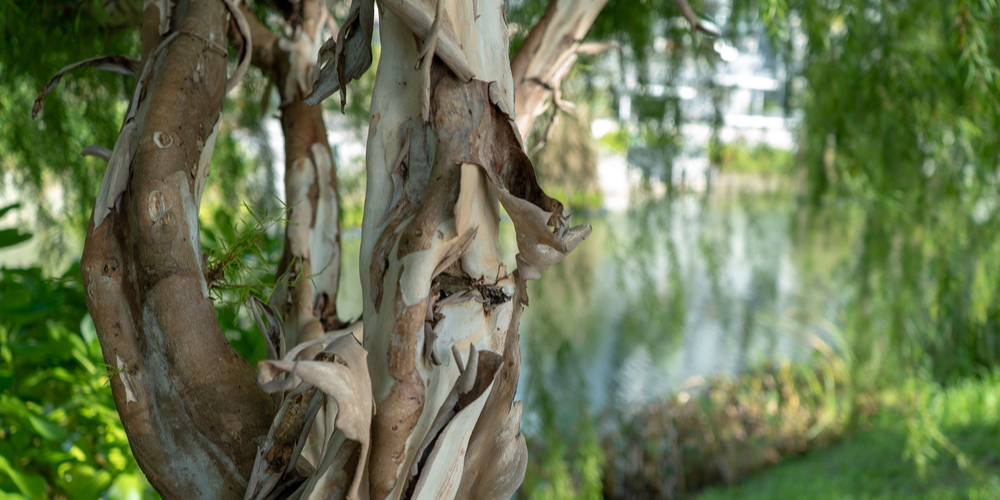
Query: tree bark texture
[
  {"x": 425, "y": 408},
  {"x": 440, "y": 308},
  {"x": 309, "y": 270},
  {"x": 190, "y": 405},
  {"x": 548, "y": 54}
]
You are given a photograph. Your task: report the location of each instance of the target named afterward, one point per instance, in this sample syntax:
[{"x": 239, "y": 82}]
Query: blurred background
[{"x": 791, "y": 290}]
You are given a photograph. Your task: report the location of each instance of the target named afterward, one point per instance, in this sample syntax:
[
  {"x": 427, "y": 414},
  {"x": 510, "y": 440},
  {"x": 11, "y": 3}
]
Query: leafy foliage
[
  {"x": 964, "y": 414},
  {"x": 242, "y": 252},
  {"x": 761, "y": 159},
  {"x": 86, "y": 108},
  {"x": 40, "y": 159},
  {"x": 902, "y": 111},
  {"x": 60, "y": 435}
]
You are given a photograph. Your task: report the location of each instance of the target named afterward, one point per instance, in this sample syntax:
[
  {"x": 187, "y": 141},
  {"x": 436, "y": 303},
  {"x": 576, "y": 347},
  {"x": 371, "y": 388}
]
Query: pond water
[{"x": 662, "y": 296}]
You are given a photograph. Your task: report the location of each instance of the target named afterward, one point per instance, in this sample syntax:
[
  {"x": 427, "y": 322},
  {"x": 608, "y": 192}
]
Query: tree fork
[
  {"x": 548, "y": 54},
  {"x": 189, "y": 403}
]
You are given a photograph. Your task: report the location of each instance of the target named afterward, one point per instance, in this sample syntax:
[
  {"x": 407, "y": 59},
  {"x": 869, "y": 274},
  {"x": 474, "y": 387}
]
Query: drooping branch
[
  {"x": 188, "y": 402},
  {"x": 310, "y": 266}
]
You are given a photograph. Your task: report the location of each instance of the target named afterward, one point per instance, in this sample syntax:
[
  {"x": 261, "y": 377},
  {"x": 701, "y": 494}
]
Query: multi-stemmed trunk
[{"x": 428, "y": 410}]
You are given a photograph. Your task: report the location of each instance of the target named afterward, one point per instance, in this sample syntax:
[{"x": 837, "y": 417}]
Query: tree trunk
[
  {"x": 440, "y": 359},
  {"x": 188, "y": 402},
  {"x": 440, "y": 309},
  {"x": 309, "y": 270}
]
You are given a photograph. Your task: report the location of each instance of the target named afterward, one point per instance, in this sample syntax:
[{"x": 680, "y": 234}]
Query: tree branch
[
  {"x": 310, "y": 263},
  {"x": 547, "y": 56}
]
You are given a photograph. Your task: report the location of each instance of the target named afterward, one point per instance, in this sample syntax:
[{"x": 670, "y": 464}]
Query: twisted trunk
[
  {"x": 188, "y": 402},
  {"x": 440, "y": 308},
  {"x": 440, "y": 359}
]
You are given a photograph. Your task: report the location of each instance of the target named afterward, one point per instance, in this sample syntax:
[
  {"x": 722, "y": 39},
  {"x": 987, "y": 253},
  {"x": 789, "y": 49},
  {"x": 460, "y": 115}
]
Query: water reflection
[{"x": 660, "y": 296}]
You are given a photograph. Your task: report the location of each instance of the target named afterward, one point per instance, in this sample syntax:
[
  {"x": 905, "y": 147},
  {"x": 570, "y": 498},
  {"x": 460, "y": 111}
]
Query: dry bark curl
[{"x": 432, "y": 276}]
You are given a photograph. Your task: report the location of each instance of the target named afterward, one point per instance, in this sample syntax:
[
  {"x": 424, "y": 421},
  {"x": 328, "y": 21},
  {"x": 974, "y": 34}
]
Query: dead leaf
[{"x": 348, "y": 57}]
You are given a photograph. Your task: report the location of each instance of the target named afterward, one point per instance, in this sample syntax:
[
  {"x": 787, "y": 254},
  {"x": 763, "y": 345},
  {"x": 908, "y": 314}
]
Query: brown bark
[
  {"x": 190, "y": 405},
  {"x": 432, "y": 272},
  {"x": 309, "y": 269},
  {"x": 432, "y": 277}
]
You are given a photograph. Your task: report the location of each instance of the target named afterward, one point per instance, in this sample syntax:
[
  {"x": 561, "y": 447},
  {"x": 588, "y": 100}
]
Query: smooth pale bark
[
  {"x": 548, "y": 54},
  {"x": 189, "y": 404}
]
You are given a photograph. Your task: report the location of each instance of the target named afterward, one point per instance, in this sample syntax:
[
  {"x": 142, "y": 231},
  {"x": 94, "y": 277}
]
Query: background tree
[{"x": 901, "y": 118}]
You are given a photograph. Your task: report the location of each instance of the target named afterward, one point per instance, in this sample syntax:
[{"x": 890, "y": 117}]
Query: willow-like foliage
[{"x": 901, "y": 109}]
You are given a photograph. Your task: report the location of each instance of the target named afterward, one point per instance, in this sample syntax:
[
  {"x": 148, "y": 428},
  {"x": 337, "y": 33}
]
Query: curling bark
[
  {"x": 441, "y": 311},
  {"x": 440, "y": 359},
  {"x": 442, "y": 147}
]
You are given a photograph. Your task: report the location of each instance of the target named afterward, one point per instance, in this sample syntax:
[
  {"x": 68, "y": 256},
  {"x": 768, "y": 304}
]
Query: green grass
[{"x": 874, "y": 463}]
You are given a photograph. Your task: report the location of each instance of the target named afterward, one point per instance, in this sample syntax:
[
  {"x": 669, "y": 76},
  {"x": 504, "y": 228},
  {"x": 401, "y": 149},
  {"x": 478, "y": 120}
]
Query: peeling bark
[
  {"x": 188, "y": 402},
  {"x": 432, "y": 277},
  {"x": 440, "y": 356},
  {"x": 548, "y": 54},
  {"x": 310, "y": 266}
]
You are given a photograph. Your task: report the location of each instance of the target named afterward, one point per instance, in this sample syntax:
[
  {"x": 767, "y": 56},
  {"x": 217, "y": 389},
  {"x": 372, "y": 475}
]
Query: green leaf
[
  {"x": 8, "y": 208},
  {"x": 31, "y": 485},
  {"x": 84, "y": 482},
  {"x": 11, "y": 496},
  {"x": 11, "y": 237},
  {"x": 48, "y": 430},
  {"x": 126, "y": 487}
]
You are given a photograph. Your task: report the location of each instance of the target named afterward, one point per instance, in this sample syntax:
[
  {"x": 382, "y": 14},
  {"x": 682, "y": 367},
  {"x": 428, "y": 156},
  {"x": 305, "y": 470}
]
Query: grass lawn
[{"x": 871, "y": 464}]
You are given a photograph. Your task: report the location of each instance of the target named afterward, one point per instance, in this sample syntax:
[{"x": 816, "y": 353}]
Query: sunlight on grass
[{"x": 871, "y": 464}]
